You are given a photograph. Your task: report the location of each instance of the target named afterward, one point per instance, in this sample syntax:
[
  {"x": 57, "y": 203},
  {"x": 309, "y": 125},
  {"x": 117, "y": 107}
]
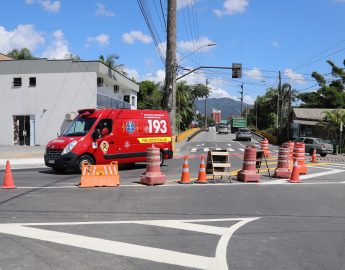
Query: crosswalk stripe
[
  {"x": 206, "y": 149},
  {"x": 193, "y": 150},
  {"x": 241, "y": 149},
  {"x": 231, "y": 150}
]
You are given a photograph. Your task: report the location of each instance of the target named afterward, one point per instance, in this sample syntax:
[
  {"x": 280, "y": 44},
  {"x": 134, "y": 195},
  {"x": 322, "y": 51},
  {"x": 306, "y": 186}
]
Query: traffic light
[{"x": 236, "y": 70}]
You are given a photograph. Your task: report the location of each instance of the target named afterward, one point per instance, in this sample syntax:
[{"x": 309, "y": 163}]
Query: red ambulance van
[{"x": 99, "y": 136}]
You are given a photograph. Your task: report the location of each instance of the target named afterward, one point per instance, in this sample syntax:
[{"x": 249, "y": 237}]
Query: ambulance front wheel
[
  {"x": 161, "y": 158},
  {"x": 84, "y": 159}
]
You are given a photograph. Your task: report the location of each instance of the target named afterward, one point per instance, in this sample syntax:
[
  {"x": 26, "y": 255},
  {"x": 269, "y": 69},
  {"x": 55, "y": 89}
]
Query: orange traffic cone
[
  {"x": 313, "y": 158},
  {"x": 202, "y": 177},
  {"x": 294, "y": 178},
  {"x": 8, "y": 179},
  {"x": 185, "y": 177}
]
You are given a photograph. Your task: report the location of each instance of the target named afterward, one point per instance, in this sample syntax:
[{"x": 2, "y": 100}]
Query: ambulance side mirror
[{"x": 96, "y": 134}]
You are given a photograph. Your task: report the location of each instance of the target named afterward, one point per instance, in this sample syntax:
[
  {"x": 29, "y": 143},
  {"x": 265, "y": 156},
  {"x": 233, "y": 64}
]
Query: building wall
[{"x": 54, "y": 96}]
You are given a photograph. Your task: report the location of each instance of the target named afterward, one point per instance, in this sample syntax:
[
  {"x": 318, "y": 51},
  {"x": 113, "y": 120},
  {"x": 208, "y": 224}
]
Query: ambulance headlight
[{"x": 69, "y": 147}]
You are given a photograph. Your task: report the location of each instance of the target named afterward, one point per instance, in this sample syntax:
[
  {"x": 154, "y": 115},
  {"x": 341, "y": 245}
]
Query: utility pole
[
  {"x": 256, "y": 115},
  {"x": 278, "y": 101},
  {"x": 205, "y": 125},
  {"x": 241, "y": 98},
  {"x": 170, "y": 66},
  {"x": 289, "y": 112}
]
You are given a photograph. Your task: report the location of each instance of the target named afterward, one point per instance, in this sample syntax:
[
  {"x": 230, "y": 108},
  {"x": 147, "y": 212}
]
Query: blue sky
[{"x": 295, "y": 37}]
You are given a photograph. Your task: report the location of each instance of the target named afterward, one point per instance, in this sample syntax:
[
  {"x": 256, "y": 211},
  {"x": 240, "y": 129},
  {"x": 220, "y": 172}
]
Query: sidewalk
[{"x": 22, "y": 157}]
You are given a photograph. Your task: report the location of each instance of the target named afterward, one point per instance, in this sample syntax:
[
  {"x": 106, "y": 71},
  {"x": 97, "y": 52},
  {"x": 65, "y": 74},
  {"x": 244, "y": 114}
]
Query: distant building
[
  {"x": 4, "y": 57},
  {"x": 216, "y": 115},
  {"x": 39, "y": 98},
  {"x": 305, "y": 122}
]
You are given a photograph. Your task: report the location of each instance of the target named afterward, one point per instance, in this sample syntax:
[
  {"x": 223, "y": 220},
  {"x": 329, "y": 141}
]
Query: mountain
[{"x": 228, "y": 106}]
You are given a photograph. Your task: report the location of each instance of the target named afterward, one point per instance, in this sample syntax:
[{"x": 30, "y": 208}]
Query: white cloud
[
  {"x": 24, "y": 35},
  {"x": 195, "y": 45},
  {"x": 48, "y": 5},
  {"x": 132, "y": 36},
  {"x": 275, "y": 44},
  {"x": 132, "y": 73},
  {"x": 219, "y": 93},
  {"x": 103, "y": 11},
  {"x": 253, "y": 73},
  {"x": 185, "y": 3},
  {"x": 100, "y": 40},
  {"x": 58, "y": 48},
  {"x": 296, "y": 77},
  {"x": 158, "y": 76},
  {"x": 232, "y": 7},
  {"x": 162, "y": 49},
  {"x": 248, "y": 99}
]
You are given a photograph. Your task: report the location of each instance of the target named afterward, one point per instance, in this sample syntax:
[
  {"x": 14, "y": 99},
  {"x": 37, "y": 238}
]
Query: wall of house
[{"x": 54, "y": 96}]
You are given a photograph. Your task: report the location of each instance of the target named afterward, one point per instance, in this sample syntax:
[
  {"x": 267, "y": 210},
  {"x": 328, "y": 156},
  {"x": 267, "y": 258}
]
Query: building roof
[
  {"x": 39, "y": 66},
  {"x": 310, "y": 113},
  {"x": 4, "y": 57}
]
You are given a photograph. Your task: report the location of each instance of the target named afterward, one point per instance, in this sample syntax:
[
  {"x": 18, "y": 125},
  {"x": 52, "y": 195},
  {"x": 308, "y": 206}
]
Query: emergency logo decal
[
  {"x": 104, "y": 146},
  {"x": 130, "y": 127},
  {"x": 127, "y": 144}
]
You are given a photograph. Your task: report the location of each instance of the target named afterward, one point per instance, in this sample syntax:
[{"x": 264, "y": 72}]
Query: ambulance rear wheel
[
  {"x": 161, "y": 159},
  {"x": 84, "y": 159}
]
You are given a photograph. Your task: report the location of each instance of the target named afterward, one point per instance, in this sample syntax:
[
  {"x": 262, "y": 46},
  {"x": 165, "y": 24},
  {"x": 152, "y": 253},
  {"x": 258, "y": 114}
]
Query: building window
[
  {"x": 116, "y": 88},
  {"x": 17, "y": 81},
  {"x": 100, "y": 81},
  {"x": 32, "y": 81},
  {"x": 126, "y": 98}
]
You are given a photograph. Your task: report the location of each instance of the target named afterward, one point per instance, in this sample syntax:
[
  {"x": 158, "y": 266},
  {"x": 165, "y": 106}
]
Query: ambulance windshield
[{"x": 79, "y": 127}]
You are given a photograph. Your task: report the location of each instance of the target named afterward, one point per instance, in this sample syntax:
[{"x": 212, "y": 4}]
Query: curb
[{"x": 23, "y": 163}]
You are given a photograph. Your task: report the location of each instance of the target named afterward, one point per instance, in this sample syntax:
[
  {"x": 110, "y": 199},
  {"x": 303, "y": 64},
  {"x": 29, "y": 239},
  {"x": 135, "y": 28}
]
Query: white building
[{"x": 40, "y": 97}]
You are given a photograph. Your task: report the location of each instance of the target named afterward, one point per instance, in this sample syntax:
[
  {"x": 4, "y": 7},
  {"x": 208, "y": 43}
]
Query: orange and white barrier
[
  {"x": 313, "y": 158},
  {"x": 8, "y": 178},
  {"x": 264, "y": 147},
  {"x": 185, "y": 176},
  {"x": 106, "y": 175},
  {"x": 202, "y": 177},
  {"x": 299, "y": 155},
  {"x": 153, "y": 174},
  {"x": 248, "y": 172},
  {"x": 282, "y": 170}
]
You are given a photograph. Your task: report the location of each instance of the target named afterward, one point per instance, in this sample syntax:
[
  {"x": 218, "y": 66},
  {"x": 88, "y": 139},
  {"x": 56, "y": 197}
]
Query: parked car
[
  {"x": 211, "y": 127},
  {"x": 323, "y": 148},
  {"x": 243, "y": 134},
  {"x": 223, "y": 128}
]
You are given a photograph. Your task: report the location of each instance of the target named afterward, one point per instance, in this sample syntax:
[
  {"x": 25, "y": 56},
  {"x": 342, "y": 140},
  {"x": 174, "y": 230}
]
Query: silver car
[
  {"x": 243, "y": 134},
  {"x": 323, "y": 148}
]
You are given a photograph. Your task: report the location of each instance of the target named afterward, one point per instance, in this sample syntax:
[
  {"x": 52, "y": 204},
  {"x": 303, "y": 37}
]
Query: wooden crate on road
[{"x": 218, "y": 164}]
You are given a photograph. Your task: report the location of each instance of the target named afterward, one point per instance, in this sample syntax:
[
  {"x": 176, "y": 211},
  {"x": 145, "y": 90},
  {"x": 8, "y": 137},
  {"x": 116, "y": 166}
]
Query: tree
[
  {"x": 22, "y": 54},
  {"x": 185, "y": 105},
  {"x": 330, "y": 95},
  {"x": 149, "y": 96},
  {"x": 111, "y": 61},
  {"x": 74, "y": 57},
  {"x": 332, "y": 121}
]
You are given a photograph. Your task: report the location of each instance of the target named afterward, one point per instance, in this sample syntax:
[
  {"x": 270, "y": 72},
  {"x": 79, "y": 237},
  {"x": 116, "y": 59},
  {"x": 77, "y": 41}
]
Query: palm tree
[
  {"x": 184, "y": 103},
  {"x": 332, "y": 121},
  {"x": 111, "y": 60}
]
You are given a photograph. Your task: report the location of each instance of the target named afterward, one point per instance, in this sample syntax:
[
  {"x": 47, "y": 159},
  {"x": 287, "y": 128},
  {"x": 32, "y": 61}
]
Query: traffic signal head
[{"x": 236, "y": 70}]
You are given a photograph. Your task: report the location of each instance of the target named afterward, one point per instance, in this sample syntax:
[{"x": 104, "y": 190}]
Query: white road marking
[
  {"x": 218, "y": 148},
  {"x": 241, "y": 149},
  {"x": 138, "y": 251},
  {"x": 206, "y": 149},
  {"x": 197, "y": 145},
  {"x": 231, "y": 150},
  {"x": 194, "y": 150},
  {"x": 228, "y": 144},
  {"x": 241, "y": 144},
  {"x": 320, "y": 174}
]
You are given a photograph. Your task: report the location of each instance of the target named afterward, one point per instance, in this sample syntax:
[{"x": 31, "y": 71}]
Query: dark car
[{"x": 243, "y": 134}]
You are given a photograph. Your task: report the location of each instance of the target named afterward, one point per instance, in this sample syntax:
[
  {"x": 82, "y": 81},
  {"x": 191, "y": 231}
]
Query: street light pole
[
  {"x": 205, "y": 125},
  {"x": 205, "y": 45}
]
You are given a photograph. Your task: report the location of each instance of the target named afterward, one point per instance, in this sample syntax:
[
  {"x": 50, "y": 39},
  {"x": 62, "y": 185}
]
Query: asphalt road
[{"x": 49, "y": 223}]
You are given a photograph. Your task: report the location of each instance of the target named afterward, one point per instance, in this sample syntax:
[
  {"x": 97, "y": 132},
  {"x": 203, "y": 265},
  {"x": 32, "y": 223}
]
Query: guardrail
[
  {"x": 180, "y": 137},
  {"x": 257, "y": 136},
  {"x": 271, "y": 138}
]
